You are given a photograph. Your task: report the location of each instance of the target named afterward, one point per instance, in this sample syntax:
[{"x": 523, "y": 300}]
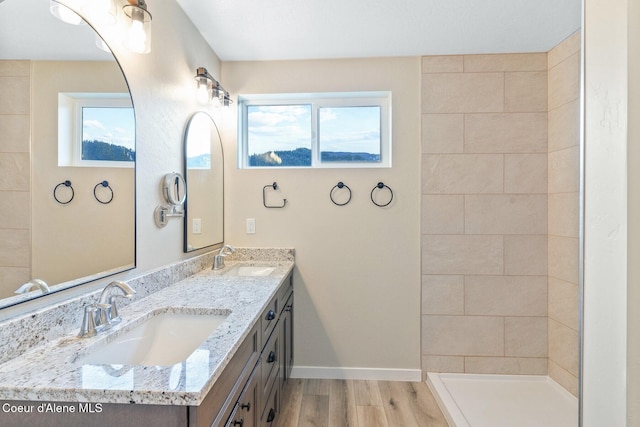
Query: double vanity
[{"x": 212, "y": 349}]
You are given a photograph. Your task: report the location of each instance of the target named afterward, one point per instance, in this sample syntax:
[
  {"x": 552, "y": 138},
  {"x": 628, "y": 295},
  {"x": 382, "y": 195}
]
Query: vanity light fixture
[
  {"x": 138, "y": 38},
  {"x": 64, "y": 14},
  {"x": 100, "y": 44},
  {"x": 101, "y": 11},
  {"x": 209, "y": 89}
]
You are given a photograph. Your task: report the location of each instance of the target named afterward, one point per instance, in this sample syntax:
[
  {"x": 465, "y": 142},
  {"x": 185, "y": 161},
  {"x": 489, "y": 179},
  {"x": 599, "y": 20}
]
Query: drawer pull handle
[
  {"x": 272, "y": 357},
  {"x": 246, "y": 406},
  {"x": 271, "y": 416},
  {"x": 271, "y": 315},
  {"x": 288, "y": 307},
  {"x": 238, "y": 423}
]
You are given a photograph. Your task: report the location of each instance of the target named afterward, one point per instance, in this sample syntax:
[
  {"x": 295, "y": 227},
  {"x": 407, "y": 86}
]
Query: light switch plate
[
  {"x": 196, "y": 226},
  {"x": 251, "y": 226}
]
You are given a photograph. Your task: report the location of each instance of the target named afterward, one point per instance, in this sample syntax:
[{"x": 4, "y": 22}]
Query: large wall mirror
[
  {"x": 67, "y": 154},
  {"x": 204, "y": 174}
]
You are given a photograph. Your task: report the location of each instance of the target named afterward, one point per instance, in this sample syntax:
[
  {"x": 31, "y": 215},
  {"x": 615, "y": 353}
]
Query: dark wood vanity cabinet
[
  {"x": 255, "y": 399},
  {"x": 245, "y": 413}
]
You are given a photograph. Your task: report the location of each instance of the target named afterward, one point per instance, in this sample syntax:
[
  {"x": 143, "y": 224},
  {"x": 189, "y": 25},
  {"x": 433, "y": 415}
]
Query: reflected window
[
  {"x": 96, "y": 130},
  {"x": 108, "y": 134},
  {"x": 197, "y": 369},
  {"x": 199, "y": 146},
  {"x": 115, "y": 377}
]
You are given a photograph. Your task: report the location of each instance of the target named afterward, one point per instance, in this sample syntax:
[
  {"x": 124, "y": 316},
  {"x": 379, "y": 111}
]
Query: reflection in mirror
[
  {"x": 203, "y": 224},
  {"x": 65, "y": 116},
  {"x": 174, "y": 189}
]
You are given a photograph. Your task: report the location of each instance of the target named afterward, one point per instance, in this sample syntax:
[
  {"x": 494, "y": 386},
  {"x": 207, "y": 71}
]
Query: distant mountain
[
  {"x": 203, "y": 161},
  {"x": 302, "y": 157},
  {"x": 100, "y": 150},
  {"x": 341, "y": 156},
  {"x": 297, "y": 157}
]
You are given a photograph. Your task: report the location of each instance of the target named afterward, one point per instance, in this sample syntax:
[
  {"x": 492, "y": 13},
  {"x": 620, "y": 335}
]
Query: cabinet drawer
[
  {"x": 285, "y": 292},
  {"x": 269, "y": 319},
  {"x": 219, "y": 402},
  {"x": 270, "y": 363},
  {"x": 246, "y": 409},
  {"x": 271, "y": 409}
]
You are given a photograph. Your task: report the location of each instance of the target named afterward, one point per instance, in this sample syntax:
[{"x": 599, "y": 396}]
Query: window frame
[
  {"x": 70, "y": 126},
  {"x": 319, "y": 100}
]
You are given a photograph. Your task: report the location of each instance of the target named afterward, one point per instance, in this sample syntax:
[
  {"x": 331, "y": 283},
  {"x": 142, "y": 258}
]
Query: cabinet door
[
  {"x": 245, "y": 413},
  {"x": 286, "y": 337},
  {"x": 271, "y": 408}
]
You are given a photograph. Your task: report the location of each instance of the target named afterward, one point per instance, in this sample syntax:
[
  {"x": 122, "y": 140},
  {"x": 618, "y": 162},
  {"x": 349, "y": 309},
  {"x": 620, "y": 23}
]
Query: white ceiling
[
  {"x": 307, "y": 29},
  {"x": 310, "y": 29},
  {"x": 29, "y": 31}
]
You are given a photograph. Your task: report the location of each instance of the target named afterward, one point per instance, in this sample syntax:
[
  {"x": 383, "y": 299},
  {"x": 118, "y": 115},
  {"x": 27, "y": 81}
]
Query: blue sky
[
  {"x": 278, "y": 127},
  {"x": 114, "y": 125},
  {"x": 287, "y": 127},
  {"x": 350, "y": 129}
]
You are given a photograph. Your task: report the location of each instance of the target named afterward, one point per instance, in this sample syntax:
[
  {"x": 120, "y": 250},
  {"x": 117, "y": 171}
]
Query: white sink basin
[
  {"x": 250, "y": 270},
  {"x": 164, "y": 339}
]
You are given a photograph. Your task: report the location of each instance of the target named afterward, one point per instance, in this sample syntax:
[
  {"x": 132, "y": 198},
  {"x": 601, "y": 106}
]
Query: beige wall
[
  {"x": 633, "y": 261},
  {"x": 357, "y": 290},
  {"x": 15, "y": 227},
  {"x": 564, "y": 182},
  {"x": 606, "y": 88},
  {"x": 484, "y": 213},
  {"x": 83, "y": 237}
]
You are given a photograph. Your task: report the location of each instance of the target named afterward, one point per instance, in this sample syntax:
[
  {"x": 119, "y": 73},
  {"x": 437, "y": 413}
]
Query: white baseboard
[{"x": 379, "y": 374}]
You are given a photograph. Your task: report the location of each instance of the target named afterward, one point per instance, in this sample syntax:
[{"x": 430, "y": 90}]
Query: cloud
[
  {"x": 93, "y": 124},
  {"x": 273, "y": 115}
]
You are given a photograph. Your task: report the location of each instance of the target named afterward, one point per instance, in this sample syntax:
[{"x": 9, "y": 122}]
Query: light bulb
[
  {"x": 102, "y": 6},
  {"x": 103, "y": 11},
  {"x": 136, "y": 37},
  {"x": 101, "y": 44},
  {"x": 203, "y": 93},
  {"x": 64, "y": 14}
]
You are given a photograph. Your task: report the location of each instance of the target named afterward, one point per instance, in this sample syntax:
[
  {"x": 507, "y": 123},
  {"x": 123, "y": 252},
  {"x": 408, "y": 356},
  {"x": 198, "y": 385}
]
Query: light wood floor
[{"x": 334, "y": 403}]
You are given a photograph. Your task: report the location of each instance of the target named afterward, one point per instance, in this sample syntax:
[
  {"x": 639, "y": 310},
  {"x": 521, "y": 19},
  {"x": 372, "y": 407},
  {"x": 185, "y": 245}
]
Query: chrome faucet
[
  {"x": 104, "y": 314},
  {"x": 218, "y": 260},
  {"x": 33, "y": 284},
  {"x": 107, "y": 298}
]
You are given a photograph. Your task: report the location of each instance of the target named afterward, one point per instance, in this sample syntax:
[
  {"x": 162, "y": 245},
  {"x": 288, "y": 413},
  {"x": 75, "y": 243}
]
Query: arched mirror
[
  {"x": 203, "y": 224},
  {"x": 67, "y": 154}
]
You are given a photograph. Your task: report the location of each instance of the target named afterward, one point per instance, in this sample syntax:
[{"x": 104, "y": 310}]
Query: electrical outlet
[
  {"x": 196, "y": 226},
  {"x": 251, "y": 226}
]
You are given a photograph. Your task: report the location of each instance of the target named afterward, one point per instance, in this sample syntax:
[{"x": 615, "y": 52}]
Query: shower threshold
[{"x": 474, "y": 400}]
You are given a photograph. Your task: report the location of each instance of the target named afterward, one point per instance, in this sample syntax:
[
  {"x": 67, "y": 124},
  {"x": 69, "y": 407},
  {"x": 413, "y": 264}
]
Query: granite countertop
[{"x": 55, "y": 371}]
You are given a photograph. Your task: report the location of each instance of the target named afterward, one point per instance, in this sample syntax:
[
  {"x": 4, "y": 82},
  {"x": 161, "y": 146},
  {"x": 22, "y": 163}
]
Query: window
[
  {"x": 322, "y": 130},
  {"x": 96, "y": 130}
]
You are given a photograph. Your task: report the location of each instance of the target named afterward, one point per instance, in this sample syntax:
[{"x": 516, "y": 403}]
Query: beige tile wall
[
  {"x": 563, "y": 220},
  {"x": 500, "y": 213},
  {"x": 484, "y": 213},
  {"x": 15, "y": 233}
]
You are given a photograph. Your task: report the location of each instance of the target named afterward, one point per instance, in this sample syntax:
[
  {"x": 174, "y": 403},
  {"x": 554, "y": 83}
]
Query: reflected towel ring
[
  {"x": 105, "y": 184},
  {"x": 67, "y": 184},
  {"x": 340, "y": 185},
  {"x": 380, "y": 186}
]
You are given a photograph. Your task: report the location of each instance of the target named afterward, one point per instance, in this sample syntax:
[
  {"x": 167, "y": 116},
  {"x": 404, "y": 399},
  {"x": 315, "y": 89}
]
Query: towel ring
[
  {"x": 274, "y": 186},
  {"x": 104, "y": 184},
  {"x": 380, "y": 186},
  {"x": 338, "y": 186},
  {"x": 67, "y": 184}
]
